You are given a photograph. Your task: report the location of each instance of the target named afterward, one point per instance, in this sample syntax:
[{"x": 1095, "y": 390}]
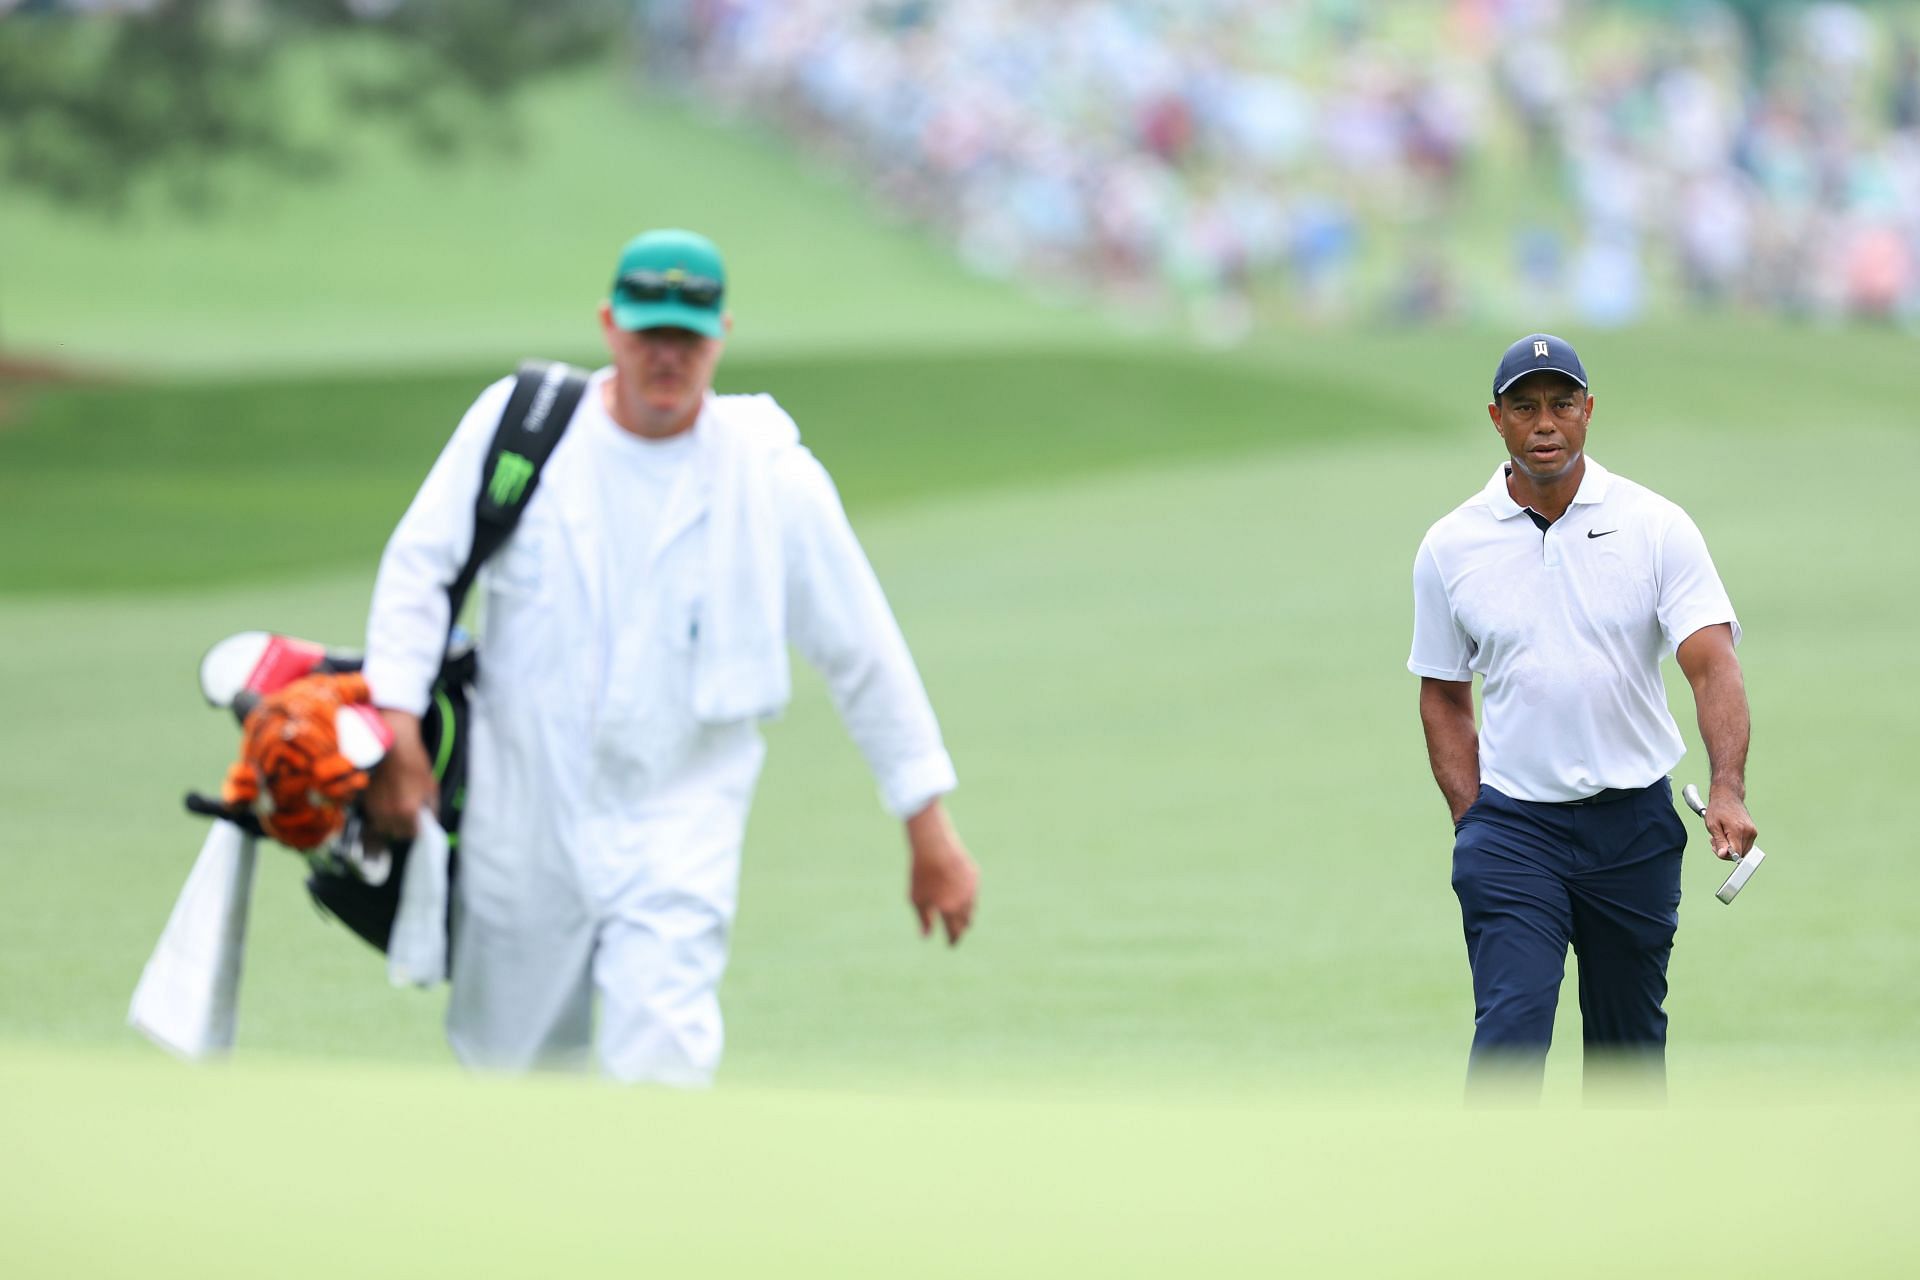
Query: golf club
[{"x": 1743, "y": 867}]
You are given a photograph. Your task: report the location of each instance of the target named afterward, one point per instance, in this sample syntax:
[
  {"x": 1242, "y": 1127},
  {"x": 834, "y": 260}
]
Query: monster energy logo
[{"x": 510, "y": 475}]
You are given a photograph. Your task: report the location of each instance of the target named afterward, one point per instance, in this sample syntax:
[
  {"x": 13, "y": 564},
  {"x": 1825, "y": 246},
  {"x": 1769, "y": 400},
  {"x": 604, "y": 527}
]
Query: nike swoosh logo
[{"x": 1592, "y": 534}]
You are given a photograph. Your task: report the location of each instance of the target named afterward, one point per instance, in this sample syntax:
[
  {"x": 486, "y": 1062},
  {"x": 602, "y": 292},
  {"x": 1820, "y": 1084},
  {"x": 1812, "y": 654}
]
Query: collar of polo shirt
[{"x": 1593, "y": 488}]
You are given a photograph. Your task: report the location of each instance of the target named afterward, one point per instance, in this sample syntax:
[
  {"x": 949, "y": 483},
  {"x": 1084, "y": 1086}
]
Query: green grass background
[{"x": 1214, "y": 1013}]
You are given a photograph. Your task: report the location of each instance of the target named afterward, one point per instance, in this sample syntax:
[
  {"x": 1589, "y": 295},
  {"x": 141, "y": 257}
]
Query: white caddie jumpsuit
[{"x": 601, "y": 842}]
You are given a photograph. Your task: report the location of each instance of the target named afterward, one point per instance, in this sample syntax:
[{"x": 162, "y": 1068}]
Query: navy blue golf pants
[{"x": 1601, "y": 875}]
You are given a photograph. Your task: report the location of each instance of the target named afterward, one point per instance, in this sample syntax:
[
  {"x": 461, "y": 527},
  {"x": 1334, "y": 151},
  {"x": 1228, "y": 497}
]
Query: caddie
[
  {"x": 1563, "y": 586},
  {"x": 635, "y": 630}
]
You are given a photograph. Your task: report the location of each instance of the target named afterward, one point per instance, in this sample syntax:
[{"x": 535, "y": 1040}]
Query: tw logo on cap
[{"x": 1537, "y": 353}]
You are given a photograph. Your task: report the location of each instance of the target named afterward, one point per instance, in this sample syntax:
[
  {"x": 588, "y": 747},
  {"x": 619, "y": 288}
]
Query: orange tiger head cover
[{"x": 291, "y": 771}]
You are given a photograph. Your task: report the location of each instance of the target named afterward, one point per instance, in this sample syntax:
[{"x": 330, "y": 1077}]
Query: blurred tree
[{"x": 99, "y": 98}]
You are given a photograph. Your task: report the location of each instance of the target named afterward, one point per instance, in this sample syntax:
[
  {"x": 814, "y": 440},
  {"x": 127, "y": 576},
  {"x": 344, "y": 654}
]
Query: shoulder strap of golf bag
[
  {"x": 544, "y": 396},
  {"x": 545, "y": 393}
]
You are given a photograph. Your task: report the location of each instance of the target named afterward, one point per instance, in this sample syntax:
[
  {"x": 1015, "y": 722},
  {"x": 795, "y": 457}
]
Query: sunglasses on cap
[{"x": 658, "y": 286}]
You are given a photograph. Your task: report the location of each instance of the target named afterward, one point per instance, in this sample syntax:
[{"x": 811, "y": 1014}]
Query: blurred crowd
[{"x": 1420, "y": 161}]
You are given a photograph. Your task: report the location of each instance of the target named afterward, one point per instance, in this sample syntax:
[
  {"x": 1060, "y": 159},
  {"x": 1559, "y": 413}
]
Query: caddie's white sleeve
[
  {"x": 1441, "y": 647},
  {"x": 1691, "y": 594},
  {"x": 838, "y": 618},
  {"x": 407, "y": 622}
]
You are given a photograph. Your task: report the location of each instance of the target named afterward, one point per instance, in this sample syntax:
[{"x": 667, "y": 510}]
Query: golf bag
[
  {"x": 342, "y": 878},
  {"x": 349, "y": 876}
]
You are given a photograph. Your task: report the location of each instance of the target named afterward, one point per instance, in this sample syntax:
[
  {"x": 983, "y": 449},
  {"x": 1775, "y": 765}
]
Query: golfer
[
  {"x": 1563, "y": 585},
  {"x": 636, "y": 631}
]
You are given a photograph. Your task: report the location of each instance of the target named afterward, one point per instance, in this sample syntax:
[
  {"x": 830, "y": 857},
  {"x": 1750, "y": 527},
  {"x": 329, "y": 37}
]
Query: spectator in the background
[
  {"x": 1904, "y": 112},
  {"x": 1715, "y": 235},
  {"x": 1608, "y": 287},
  {"x": 1223, "y": 150},
  {"x": 1879, "y": 269}
]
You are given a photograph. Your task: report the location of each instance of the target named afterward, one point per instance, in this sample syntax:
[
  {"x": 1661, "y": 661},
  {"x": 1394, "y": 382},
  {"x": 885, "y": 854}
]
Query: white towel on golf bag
[
  {"x": 189, "y": 992},
  {"x": 417, "y": 948}
]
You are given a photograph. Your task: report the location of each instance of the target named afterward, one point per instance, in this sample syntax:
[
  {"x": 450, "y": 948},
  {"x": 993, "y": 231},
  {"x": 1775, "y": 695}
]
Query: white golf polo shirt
[{"x": 1567, "y": 627}]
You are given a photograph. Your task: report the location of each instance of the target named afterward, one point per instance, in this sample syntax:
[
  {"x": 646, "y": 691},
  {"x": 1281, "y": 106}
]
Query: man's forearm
[
  {"x": 1453, "y": 743},
  {"x": 1456, "y": 765},
  {"x": 1726, "y": 725}
]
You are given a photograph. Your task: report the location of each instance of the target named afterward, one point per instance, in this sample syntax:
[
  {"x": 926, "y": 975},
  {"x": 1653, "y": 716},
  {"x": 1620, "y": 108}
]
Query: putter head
[
  {"x": 1691, "y": 794},
  {"x": 1743, "y": 869}
]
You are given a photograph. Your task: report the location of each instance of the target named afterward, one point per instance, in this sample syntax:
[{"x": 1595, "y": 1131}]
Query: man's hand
[
  {"x": 1729, "y": 828},
  {"x": 402, "y": 783},
  {"x": 943, "y": 881}
]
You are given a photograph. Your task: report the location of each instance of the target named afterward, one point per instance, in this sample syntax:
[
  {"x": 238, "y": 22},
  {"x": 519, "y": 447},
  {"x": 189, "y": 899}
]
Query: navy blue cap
[{"x": 1535, "y": 353}]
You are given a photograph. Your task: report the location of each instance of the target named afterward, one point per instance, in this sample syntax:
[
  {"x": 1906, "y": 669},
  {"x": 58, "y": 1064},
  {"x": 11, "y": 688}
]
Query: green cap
[{"x": 670, "y": 280}]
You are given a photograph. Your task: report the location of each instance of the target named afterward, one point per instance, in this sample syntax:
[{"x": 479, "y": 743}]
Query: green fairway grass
[
  {"x": 296, "y": 1171},
  {"x": 1214, "y": 1010},
  {"x": 322, "y": 466},
  {"x": 215, "y": 479},
  {"x": 1190, "y": 764}
]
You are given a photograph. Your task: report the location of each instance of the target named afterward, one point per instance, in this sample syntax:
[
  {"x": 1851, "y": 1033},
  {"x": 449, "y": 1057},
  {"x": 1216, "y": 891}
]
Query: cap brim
[
  {"x": 1539, "y": 368},
  {"x": 668, "y": 315}
]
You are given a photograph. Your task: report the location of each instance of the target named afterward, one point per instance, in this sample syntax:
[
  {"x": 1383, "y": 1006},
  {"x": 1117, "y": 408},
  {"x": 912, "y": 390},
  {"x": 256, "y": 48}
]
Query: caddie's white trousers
[
  {"x": 557, "y": 904},
  {"x": 523, "y": 999}
]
